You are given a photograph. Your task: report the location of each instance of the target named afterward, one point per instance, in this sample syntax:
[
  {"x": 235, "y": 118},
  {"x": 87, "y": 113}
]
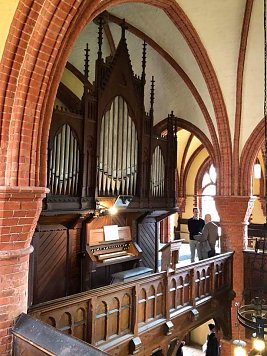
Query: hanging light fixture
[
  {"x": 257, "y": 169},
  {"x": 254, "y": 316},
  {"x": 239, "y": 344}
]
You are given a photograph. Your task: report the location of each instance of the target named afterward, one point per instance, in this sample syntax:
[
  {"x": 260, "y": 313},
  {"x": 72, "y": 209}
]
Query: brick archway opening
[{"x": 39, "y": 42}]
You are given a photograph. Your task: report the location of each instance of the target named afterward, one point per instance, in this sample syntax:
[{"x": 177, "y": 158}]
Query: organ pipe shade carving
[
  {"x": 118, "y": 149},
  {"x": 64, "y": 163},
  {"x": 157, "y": 173}
]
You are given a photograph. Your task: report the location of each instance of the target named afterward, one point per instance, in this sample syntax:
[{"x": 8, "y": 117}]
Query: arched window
[{"x": 208, "y": 191}]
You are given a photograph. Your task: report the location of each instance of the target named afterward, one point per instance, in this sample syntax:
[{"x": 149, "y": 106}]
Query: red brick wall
[{"x": 40, "y": 39}]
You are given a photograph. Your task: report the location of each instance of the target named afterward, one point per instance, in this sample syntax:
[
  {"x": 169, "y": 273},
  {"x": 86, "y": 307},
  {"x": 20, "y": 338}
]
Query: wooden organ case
[{"x": 102, "y": 147}]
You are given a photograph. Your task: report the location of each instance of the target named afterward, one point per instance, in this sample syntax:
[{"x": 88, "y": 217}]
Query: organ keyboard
[{"x": 102, "y": 252}]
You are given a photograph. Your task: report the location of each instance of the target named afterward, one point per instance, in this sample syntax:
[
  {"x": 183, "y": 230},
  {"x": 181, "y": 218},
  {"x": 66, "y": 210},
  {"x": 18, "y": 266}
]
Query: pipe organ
[
  {"x": 108, "y": 147},
  {"x": 111, "y": 147}
]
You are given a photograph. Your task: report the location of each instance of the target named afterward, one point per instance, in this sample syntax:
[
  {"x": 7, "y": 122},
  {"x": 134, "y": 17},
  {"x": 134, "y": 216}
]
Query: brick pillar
[
  {"x": 234, "y": 212},
  {"x": 19, "y": 211}
]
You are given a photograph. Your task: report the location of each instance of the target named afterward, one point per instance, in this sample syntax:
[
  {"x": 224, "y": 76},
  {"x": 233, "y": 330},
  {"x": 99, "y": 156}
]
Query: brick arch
[
  {"x": 248, "y": 156},
  {"x": 187, "y": 169},
  {"x": 211, "y": 148},
  {"x": 38, "y": 45},
  {"x": 29, "y": 71},
  {"x": 200, "y": 175}
]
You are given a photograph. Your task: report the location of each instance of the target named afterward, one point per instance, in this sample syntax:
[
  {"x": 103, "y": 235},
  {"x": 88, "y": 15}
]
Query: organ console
[{"x": 114, "y": 252}]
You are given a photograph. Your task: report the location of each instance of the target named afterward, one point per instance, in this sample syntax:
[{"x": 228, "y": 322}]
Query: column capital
[
  {"x": 7, "y": 255},
  {"x": 234, "y": 209},
  {"x": 20, "y": 208},
  {"x": 180, "y": 202}
]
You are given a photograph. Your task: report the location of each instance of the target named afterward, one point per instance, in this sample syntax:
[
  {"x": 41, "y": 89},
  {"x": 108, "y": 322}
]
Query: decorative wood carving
[
  {"x": 126, "y": 154},
  {"x": 110, "y": 316}
]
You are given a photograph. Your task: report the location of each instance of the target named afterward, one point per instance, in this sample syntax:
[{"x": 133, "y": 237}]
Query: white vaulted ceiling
[{"x": 218, "y": 28}]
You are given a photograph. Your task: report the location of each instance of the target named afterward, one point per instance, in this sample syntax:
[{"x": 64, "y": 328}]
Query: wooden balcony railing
[{"x": 118, "y": 313}]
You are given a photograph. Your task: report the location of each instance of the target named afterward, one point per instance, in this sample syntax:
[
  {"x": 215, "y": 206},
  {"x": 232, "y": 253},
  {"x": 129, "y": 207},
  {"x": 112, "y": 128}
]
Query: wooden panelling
[
  {"x": 51, "y": 254},
  {"x": 148, "y": 244},
  {"x": 112, "y": 315},
  {"x": 202, "y": 282},
  {"x": 54, "y": 267},
  {"x": 74, "y": 265}
]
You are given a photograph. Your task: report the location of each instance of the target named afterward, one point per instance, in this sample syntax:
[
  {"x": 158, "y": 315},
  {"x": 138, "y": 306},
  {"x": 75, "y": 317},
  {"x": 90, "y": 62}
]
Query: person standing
[
  {"x": 203, "y": 247},
  {"x": 195, "y": 226},
  {"x": 210, "y": 233},
  {"x": 180, "y": 349},
  {"x": 213, "y": 344}
]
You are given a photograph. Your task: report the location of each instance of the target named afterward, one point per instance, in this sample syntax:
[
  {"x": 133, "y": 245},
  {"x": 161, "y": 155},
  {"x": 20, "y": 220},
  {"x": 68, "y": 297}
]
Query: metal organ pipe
[
  {"x": 117, "y": 151},
  {"x": 64, "y": 163},
  {"x": 157, "y": 173}
]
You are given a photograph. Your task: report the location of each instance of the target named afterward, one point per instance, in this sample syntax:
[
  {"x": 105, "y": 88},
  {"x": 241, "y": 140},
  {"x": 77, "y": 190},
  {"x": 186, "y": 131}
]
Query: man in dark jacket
[
  {"x": 195, "y": 226},
  {"x": 213, "y": 345},
  {"x": 180, "y": 349}
]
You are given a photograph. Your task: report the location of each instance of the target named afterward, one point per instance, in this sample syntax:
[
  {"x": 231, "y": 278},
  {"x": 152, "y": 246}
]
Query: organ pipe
[
  {"x": 117, "y": 151},
  {"x": 64, "y": 163}
]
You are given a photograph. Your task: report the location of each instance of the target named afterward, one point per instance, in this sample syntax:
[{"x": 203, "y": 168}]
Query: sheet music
[{"x": 111, "y": 232}]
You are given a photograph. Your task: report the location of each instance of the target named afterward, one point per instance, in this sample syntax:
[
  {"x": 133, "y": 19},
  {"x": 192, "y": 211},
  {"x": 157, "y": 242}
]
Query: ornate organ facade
[{"x": 108, "y": 148}]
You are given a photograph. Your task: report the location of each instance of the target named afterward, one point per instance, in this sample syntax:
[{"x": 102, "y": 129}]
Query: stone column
[
  {"x": 20, "y": 208},
  {"x": 180, "y": 202},
  {"x": 234, "y": 212}
]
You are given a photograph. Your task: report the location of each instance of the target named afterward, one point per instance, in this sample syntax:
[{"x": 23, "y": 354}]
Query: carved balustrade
[{"x": 117, "y": 313}]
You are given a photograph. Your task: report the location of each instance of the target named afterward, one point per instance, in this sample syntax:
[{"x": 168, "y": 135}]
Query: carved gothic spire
[
  {"x": 100, "y": 37},
  {"x": 144, "y": 62},
  {"x": 123, "y": 28},
  {"x": 152, "y": 98},
  {"x": 86, "y": 64}
]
